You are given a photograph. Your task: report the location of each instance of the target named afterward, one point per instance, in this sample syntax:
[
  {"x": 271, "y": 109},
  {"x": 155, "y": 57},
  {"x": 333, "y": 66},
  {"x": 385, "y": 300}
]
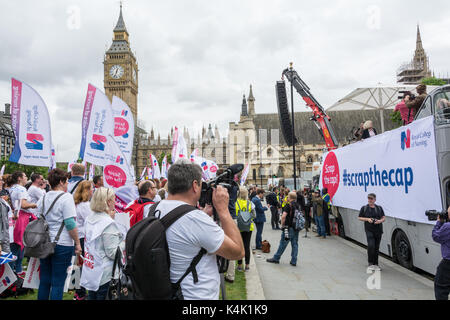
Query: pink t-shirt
[{"x": 404, "y": 112}]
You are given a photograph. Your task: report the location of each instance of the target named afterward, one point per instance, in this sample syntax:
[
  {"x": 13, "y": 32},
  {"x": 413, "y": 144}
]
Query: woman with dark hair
[
  {"x": 63, "y": 230},
  {"x": 21, "y": 201}
]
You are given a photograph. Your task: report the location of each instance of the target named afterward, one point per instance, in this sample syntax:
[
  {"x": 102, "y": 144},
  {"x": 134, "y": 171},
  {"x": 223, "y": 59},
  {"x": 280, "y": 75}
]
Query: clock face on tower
[{"x": 116, "y": 71}]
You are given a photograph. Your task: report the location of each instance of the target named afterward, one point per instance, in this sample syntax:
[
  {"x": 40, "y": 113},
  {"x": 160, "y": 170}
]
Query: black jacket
[{"x": 366, "y": 134}]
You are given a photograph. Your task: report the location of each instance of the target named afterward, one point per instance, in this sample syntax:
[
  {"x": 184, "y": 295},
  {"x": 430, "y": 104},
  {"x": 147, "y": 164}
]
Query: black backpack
[{"x": 147, "y": 258}]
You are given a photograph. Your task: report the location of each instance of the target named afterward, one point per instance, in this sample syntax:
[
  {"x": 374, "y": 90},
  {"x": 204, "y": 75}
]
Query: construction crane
[{"x": 320, "y": 118}]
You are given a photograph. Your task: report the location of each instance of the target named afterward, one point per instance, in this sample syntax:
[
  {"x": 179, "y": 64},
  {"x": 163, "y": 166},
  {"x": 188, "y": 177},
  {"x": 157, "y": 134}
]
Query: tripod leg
[{"x": 222, "y": 286}]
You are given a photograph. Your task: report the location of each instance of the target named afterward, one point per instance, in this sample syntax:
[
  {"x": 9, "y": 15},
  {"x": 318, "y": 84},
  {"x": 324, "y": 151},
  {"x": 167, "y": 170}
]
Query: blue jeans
[
  {"x": 320, "y": 223},
  {"x": 100, "y": 294},
  {"x": 293, "y": 238},
  {"x": 16, "y": 265},
  {"x": 54, "y": 273},
  {"x": 259, "y": 231}
]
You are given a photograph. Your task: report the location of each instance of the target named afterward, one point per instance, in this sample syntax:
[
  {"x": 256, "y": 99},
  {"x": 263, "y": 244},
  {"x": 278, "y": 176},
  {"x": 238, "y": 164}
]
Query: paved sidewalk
[{"x": 333, "y": 268}]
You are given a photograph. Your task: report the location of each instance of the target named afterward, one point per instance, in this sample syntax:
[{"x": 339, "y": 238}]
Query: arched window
[
  {"x": 280, "y": 172},
  {"x": 309, "y": 159}
]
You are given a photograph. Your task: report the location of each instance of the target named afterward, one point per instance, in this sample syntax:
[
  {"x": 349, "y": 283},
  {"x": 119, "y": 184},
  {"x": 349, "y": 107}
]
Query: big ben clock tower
[{"x": 121, "y": 70}]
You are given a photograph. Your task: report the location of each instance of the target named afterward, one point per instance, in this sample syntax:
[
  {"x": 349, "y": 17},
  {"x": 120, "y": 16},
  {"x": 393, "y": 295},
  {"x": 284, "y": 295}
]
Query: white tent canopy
[{"x": 380, "y": 98}]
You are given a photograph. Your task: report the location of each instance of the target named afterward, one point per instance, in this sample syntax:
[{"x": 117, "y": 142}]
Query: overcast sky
[{"x": 197, "y": 58}]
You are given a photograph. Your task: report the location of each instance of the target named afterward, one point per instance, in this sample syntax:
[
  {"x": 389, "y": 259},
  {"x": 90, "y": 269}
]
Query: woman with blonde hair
[
  {"x": 245, "y": 205},
  {"x": 369, "y": 130},
  {"x": 102, "y": 237},
  {"x": 82, "y": 196}
]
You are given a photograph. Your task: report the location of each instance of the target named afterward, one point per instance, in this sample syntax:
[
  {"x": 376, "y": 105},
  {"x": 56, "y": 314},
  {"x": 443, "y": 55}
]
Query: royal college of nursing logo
[
  {"x": 119, "y": 159},
  {"x": 121, "y": 126},
  {"x": 35, "y": 141},
  {"x": 406, "y": 139},
  {"x": 99, "y": 142}
]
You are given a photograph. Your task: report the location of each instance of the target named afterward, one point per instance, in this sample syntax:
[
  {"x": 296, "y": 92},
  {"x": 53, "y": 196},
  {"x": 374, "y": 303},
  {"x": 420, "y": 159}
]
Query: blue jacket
[{"x": 260, "y": 216}]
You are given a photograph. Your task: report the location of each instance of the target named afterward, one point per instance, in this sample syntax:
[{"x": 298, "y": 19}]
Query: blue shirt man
[{"x": 260, "y": 217}]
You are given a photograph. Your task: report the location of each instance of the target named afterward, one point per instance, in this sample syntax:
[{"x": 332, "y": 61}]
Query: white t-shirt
[
  {"x": 17, "y": 193},
  {"x": 63, "y": 209},
  {"x": 185, "y": 237},
  {"x": 35, "y": 194},
  {"x": 83, "y": 211}
]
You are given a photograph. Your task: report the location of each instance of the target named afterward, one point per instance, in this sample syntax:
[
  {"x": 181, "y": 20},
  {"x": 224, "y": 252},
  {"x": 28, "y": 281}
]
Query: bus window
[
  {"x": 425, "y": 110},
  {"x": 442, "y": 107}
]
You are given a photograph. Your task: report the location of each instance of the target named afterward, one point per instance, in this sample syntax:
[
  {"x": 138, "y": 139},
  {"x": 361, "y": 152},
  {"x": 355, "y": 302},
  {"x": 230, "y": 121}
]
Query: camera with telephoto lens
[
  {"x": 406, "y": 93},
  {"x": 225, "y": 180},
  {"x": 433, "y": 215},
  {"x": 286, "y": 233}
]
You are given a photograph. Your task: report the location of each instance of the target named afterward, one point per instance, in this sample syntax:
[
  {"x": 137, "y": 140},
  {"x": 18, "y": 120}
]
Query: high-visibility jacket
[
  {"x": 243, "y": 206},
  {"x": 326, "y": 197},
  {"x": 285, "y": 201}
]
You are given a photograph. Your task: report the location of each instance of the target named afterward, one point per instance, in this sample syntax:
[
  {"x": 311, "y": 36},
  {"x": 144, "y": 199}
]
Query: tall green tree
[{"x": 11, "y": 167}]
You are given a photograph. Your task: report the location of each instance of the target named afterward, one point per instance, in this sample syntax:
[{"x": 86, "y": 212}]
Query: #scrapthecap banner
[
  {"x": 31, "y": 124},
  {"x": 116, "y": 172},
  {"x": 97, "y": 127},
  {"x": 123, "y": 126}
]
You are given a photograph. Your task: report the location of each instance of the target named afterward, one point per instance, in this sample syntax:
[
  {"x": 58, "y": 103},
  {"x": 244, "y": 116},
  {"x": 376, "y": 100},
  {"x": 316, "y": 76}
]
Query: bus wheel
[{"x": 403, "y": 250}]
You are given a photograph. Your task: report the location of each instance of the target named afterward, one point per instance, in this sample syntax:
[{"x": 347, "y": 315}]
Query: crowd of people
[{"x": 81, "y": 220}]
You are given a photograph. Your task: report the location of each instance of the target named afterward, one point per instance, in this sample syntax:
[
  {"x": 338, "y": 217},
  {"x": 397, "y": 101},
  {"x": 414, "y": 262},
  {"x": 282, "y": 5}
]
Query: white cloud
[{"x": 197, "y": 58}]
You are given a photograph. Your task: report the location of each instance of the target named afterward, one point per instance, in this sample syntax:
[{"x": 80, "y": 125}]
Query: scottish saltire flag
[
  {"x": 116, "y": 172},
  {"x": 31, "y": 124},
  {"x": 143, "y": 174},
  {"x": 155, "y": 167},
  {"x": 123, "y": 126},
  {"x": 97, "y": 127},
  {"x": 245, "y": 174},
  {"x": 164, "y": 168},
  {"x": 7, "y": 257}
]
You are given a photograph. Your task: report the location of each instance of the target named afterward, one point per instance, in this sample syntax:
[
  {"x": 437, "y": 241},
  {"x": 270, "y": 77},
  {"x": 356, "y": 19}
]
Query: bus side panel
[{"x": 423, "y": 260}]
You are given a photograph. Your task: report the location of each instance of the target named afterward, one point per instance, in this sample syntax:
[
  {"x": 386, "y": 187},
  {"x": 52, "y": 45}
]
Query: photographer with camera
[
  {"x": 414, "y": 103},
  {"x": 406, "y": 113},
  {"x": 196, "y": 230},
  {"x": 289, "y": 233},
  {"x": 441, "y": 234}
]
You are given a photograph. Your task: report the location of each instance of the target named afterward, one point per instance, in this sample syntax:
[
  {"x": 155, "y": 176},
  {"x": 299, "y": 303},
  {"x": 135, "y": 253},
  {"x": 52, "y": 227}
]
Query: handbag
[
  {"x": 118, "y": 287},
  {"x": 265, "y": 246}
]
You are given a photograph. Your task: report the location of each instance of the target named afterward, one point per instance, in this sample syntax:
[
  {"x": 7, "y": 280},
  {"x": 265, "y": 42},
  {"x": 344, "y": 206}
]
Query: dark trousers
[
  {"x": 326, "y": 220},
  {"x": 100, "y": 294},
  {"x": 259, "y": 231},
  {"x": 307, "y": 218},
  {"x": 442, "y": 280},
  {"x": 275, "y": 217},
  {"x": 82, "y": 291},
  {"x": 373, "y": 246},
  {"x": 246, "y": 236}
]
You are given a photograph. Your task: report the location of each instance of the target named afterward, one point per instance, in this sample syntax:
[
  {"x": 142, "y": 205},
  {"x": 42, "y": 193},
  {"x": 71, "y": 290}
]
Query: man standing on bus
[
  {"x": 373, "y": 217},
  {"x": 441, "y": 234}
]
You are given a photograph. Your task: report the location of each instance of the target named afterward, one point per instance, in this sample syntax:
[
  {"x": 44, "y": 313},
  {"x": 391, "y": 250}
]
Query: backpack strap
[
  {"x": 152, "y": 210},
  {"x": 192, "y": 266},
  {"x": 51, "y": 206},
  {"x": 175, "y": 214},
  {"x": 75, "y": 186}
]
